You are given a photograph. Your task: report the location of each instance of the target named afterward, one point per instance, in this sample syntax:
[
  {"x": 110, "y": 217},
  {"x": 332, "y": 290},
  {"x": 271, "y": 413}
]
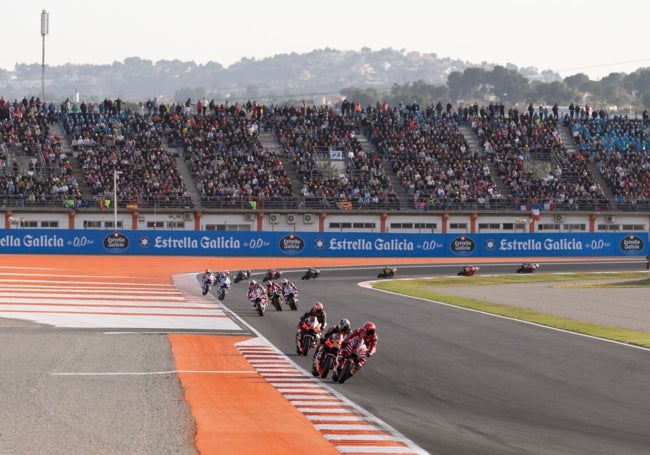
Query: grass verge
[{"x": 425, "y": 289}]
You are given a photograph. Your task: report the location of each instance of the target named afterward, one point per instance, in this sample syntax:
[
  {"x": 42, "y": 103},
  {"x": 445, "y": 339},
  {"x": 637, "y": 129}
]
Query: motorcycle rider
[
  {"x": 368, "y": 332},
  {"x": 530, "y": 266},
  {"x": 272, "y": 274},
  {"x": 273, "y": 288},
  {"x": 243, "y": 275},
  {"x": 387, "y": 271},
  {"x": 317, "y": 311},
  {"x": 342, "y": 327},
  {"x": 255, "y": 289},
  {"x": 208, "y": 277},
  {"x": 288, "y": 287},
  {"x": 224, "y": 279},
  {"x": 470, "y": 269},
  {"x": 313, "y": 272}
]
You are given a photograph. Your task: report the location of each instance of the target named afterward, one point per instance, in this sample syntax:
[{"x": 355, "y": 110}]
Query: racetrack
[
  {"x": 453, "y": 381},
  {"x": 458, "y": 381}
]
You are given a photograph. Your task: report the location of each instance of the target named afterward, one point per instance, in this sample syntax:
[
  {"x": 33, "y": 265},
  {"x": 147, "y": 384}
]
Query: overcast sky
[{"x": 566, "y": 36}]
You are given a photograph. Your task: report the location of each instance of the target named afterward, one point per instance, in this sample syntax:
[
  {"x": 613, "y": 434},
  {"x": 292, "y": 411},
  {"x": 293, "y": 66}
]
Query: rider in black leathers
[{"x": 319, "y": 312}]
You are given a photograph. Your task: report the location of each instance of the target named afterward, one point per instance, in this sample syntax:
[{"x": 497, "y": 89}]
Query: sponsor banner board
[{"x": 315, "y": 244}]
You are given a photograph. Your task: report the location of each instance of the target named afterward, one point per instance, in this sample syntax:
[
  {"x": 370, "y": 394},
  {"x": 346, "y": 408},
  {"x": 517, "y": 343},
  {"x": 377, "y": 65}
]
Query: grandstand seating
[{"x": 418, "y": 159}]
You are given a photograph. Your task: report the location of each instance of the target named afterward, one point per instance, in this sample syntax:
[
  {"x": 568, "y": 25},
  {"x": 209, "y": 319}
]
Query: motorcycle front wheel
[
  {"x": 306, "y": 343},
  {"x": 328, "y": 362},
  {"x": 260, "y": 308},
  {"x": 345, "y": 371}
]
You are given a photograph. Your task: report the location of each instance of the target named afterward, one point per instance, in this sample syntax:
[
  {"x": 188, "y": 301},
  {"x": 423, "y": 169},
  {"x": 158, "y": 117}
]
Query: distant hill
[{"x": 274, "y": 79}]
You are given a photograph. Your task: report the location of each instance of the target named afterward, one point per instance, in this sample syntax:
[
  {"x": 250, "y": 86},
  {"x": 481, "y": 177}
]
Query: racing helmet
[
  {"x": 344, "y": 326},
  {"x": 369, "y": 328},
  {"x": 317, "y": 309},
  {"x": 252, "y": 282},
  {"x": 285, "y": 281},
  {"x": 207, "y": 271}
]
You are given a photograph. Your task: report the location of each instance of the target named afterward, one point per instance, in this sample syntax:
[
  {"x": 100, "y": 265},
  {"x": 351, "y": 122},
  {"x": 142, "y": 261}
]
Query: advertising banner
[{"x": 315, "y": 244}]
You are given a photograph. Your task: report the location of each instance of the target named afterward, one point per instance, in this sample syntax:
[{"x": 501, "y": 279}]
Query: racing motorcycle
[
  {"x": 260, "y": 301},
  {"x": 207, "y": 284},
  {"x": 224, "y": 284},
  {"x": 348, "y": 360},
  {"x": 291, "y": 299},
  {"x": 309, "y": 334},
  {"x": 325, "y": 357},
  {"x": 388, "y": 272},
  {"x": 242, "y": 275},
  {"x": 276, "y": 299},
  {"x": 272, "y": 274},
  {"x": 311, "y": 273},
  {"x": 527, "y": 267},
  {"x": 469, "y": 270}
]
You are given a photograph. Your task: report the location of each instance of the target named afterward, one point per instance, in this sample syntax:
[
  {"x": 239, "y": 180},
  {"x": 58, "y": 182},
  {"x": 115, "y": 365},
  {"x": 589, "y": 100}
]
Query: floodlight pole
[{"x": 45, "y": 28}]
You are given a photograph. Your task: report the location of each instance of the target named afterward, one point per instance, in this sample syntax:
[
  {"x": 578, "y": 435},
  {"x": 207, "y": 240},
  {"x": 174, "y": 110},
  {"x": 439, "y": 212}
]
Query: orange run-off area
[{"x": 236, "y": 410}]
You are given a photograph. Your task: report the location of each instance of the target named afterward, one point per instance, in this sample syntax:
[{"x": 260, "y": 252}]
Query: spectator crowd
[{"x": 321, "y": 157}]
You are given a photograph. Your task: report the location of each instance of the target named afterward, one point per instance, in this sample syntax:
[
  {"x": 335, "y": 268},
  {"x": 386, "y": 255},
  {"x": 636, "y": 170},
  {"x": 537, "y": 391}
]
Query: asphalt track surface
[
  {"x": 452, "y": 381},
  {"x": 461, "y": 382}
]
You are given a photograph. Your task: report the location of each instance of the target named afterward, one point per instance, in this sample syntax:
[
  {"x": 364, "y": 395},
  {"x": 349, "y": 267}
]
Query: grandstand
[{"x": 378, "y": 168}]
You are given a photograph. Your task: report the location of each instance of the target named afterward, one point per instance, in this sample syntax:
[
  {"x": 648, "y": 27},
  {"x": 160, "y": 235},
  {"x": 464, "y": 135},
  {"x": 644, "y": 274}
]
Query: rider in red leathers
[{"x": 368, "y": 332}]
